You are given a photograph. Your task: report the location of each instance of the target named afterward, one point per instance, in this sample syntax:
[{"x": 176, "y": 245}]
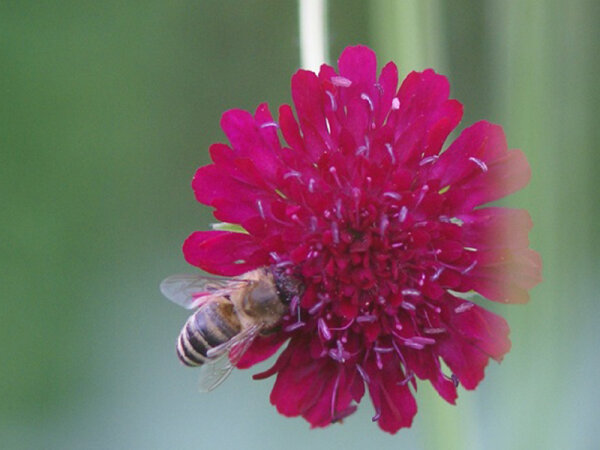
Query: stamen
[
  {"x": 434, "y": 330},
  {"x": 332, "y": 100},
  {"x": 411, "y": 292},
  {"x": 437, "y": 273},
  {"x": 395, "y": 103},
  {"x": 463, "y": 307},
  {"x": 393, "y": 195},
  {"x": 323, "y": 329},
  {"x": 316, "y": 307},
  {"x": 407, "y": 378},
  {"x": 335, "y": 232},
  {"x": 398, "y": 352},
  {"x": 292, "y": 173},
  {"x": 345, "y": 327},
  {"x": 334, "y": 394},
  {"x": 338, "y": 208},
  {"x": 412, "y": 344},
  {"x": 260, "y": 209},
  {"x": 341, "y": 81},
  {"x": 295, "y": 303},
  {"x": 383, "y": 224},
  {"x": 368, "y": 100},
  {"x": 275, "y": 256},
  {"x": 408, "y": 306},
  {"x": 361, "y": 150},
  {"x": 333, "y": 172},
  {"x": 390, "y": 150},
  {"x": 313, "y": 223},
  {"x": 424, "y": 190},
  {"x": 428, "y": 160},
  {"x": 311, "y": 185},
  {"x": 403, "y": 213},
  {"x": 455, "y": 380},
  {"x": 294, "y": 326},
  {"x": 269, "y": 124},
  {"x": 378, "y": 361},
  {"x": 296, "y": 219},
  {"x": 377, "y": 415},
  {"x": 423, "y": 340},
  {"x": 468, "y": 269},
  {"x": 366, "y": 318},
  {"x": 363, "y": 374},
  {"x": 381, "y": 300},
  {"x": 483, "y": 166},
  {"x": 383, "y": 349},
  {"x": 340, "y": 354}
]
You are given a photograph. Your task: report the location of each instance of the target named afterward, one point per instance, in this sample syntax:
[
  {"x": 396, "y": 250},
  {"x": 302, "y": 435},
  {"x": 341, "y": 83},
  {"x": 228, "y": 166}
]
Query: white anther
[
  {"x": 483, "y": 166},
  {"x": 335, "y": 232},
  {"x": 403, "y": 213},
  {"x": 411, "y": 292},
  {"x": 292, "y": 173},
  {"x": 393, "y": 195},
  {"x": 390, "y": 150},
  {"x": 368, "y": 100},
  {"x": 463, "y": 307},
  {"x": 260, "y": 208},
  {"x": 332, "y": 100},
  {"x": 269, "y": 124},
  {"x": 468, "y": 269},
  {"x": 341, "y": 81},
  {"x": 428, "y": 160}
]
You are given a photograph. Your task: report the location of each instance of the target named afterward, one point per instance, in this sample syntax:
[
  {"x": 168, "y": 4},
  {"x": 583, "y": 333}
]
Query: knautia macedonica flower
[{"x": 355, "y": 197}]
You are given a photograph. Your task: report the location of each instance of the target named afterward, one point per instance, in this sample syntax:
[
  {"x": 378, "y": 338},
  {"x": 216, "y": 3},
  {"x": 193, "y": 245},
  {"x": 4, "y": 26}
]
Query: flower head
[{"x": 383, "y": 229}]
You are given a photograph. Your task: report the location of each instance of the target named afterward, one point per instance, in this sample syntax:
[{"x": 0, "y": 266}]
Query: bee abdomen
[{"x": 212, "y": 325}]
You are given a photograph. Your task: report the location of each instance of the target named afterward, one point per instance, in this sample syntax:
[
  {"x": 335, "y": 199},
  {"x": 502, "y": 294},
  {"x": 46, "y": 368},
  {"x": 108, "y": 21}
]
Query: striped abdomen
[{"x": 213, "y": 324}]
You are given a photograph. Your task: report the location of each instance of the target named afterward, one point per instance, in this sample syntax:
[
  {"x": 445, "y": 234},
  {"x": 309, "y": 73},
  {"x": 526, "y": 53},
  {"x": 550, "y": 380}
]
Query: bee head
[{"x": 287, "y": 284}]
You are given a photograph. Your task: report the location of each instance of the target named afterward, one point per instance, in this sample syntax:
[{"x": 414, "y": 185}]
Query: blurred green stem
[{"x": 313, "y": 33}]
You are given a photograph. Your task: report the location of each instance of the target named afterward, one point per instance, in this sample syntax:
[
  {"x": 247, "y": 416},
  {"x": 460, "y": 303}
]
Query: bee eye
[{"x": 262, "y": 297}]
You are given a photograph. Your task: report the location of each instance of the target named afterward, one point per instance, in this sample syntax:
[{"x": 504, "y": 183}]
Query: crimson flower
[{"x": 386, "y": 232}]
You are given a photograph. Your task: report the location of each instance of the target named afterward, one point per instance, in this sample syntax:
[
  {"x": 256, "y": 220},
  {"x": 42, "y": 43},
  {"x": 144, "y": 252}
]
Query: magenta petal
[
  {"x": 496, "y": 227},
  {"x": 505, "y": 275},
  {"x": 262, "y": 348},
  {"x": 359, "y": 65},
  {"x": 394, "y": 404},
  {"x": 307, "y": 96},
  {"x": 388, "y": 81},
  {"x": 212, "y": 182},
  {"x": 298, "y": 388},
  {"x": 421, "y": 94},
  {"x": 251, "y": 141},
  {"x": 476, "y": 335},
  {"x": 504, "y": 176},
  {"x": 223, "y": 252},
  {"x": 426, "y": 366},
  {"x": 481, "y": 141}
]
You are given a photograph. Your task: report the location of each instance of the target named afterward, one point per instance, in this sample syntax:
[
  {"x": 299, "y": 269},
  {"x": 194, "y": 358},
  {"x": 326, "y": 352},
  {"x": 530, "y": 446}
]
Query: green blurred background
[{"x": 109, "y": 107}]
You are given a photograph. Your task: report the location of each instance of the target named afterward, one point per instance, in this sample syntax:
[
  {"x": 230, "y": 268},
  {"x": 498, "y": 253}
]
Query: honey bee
[{"x": 231, "y": 313}]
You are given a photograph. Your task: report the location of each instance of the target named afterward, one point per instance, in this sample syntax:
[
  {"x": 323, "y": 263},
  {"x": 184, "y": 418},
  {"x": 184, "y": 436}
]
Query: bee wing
[
  {"x": 214, "y": 372},
  {"x": 188, "y": 290}
]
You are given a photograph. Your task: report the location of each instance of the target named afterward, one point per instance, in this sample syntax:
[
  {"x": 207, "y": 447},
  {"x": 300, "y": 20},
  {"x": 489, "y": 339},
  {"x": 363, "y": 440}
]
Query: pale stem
[{"x": 313, "y": 33}]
